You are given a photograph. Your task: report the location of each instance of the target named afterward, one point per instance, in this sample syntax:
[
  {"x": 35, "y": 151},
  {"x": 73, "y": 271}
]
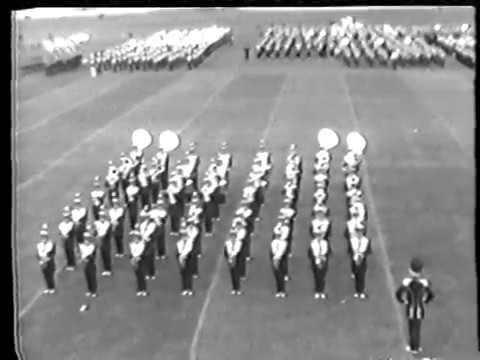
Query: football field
[{"x": 419, "y": 188}]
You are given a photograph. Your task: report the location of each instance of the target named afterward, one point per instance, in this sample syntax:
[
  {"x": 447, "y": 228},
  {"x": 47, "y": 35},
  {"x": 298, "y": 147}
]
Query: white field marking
[
  {"x": 273, "y": 112},
  {"x": 205, "y": 106},
  {"x": 57, "y": 114},
  {"x": 385, "y": 259},
  {"x": 216, "y": 274}
]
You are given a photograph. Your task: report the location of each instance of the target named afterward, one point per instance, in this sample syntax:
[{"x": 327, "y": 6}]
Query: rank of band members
[
  {"x": 145, "y": 211},
  {"x": 350, "y": 41}
]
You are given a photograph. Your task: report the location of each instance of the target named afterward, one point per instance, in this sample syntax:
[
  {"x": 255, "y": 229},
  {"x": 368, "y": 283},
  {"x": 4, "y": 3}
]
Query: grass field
[{"x": 420, "y": 189}]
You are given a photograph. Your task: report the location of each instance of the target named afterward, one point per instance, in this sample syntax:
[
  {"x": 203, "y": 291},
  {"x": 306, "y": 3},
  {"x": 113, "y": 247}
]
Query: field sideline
[{"x": 419, "y": 188}]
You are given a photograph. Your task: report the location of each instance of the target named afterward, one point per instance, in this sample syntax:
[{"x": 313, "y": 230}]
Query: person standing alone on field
[{"x": 415, "y": 292}]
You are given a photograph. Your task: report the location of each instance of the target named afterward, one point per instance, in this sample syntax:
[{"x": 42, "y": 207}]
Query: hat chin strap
[{"x": 413, "y": 273}]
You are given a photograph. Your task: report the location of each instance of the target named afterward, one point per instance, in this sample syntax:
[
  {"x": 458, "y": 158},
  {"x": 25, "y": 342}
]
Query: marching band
[
  {"x": 357, "y": 44},
  {"x": 193, "y": 208}
]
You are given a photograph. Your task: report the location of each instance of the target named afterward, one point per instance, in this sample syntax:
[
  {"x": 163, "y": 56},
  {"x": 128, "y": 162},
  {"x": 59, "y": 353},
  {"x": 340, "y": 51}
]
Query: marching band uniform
[
  {"x": 148, "y": 228},
  {"x": 79, "y": 217},
  {"x": 66, "y": 230},
  {"x": 415, "y": 292},
  {"x": 144, "y": 185},
  {"x": 320, "y": 226},
  {"x": 97, "y": 196},
  {"x": 232, "y": 251},
  {"x": 239, "y": 233},
  {"x": 117, "y": 218},
  {"x": 318, "y": 253},
  {"x": 132, "y": 193},
  {"x": 124, "y": 173},
  {"x": 137, "y": 251},
  {"x": 191, "y": 230},
  {"x": 351, "y": 162},
  {"x": 46, "y": 258},
  {"x": 176, "y": 207},
  {"x": 278, "y": 255},
  {"x": 359, "y": 250},
  {"x": 103, "y": 232},
  {"x": 155, "y": 181},
  {"x": 162, "y": 159},
  {"x": 225, "y": 163},
  {"x": 113, "y": 181},
  {"x": 210, "y": 206},
  {"x": 88, "y": 251},
  {"x": 159, "y": 215},
  {"x": 137, "y": 157},
  {"x": 184, "y": 256}
]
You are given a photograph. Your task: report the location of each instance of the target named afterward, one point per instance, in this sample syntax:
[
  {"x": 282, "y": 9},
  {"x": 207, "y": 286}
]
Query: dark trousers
[
  {"x": 106, "y": 253},
  {"x": 209, "y": 215},
  {"x": 150, "y": 258},
  {"x": 414, "y": 333},
  {"x": 95, "y": 211},
  {"x": 279, "y": 278},
  {"x": 78, "y": 231},
  {"x": 91, "y": 276},
  {"x": 144, "y": 196},
  {"x": 197, "y": 245},
  {"x": 48, "y": 271},
  {"x": 175, "y": 222},
  {"x": 359, "y": 273},
  {"x": 235, "y": 276},
  {"x": 118, "y": 237},
  {"x": 132, "y": 214},
  {"x": 186, "y": 275},
  {"x": 242, "y": 261},
  {"x": 155, "y": 190},
  {"x": 160, "y": 239},
  {"x": 69, "y": 247},
  {"x": 139, "y": 270},
  {"x": 319, "y": 275}
]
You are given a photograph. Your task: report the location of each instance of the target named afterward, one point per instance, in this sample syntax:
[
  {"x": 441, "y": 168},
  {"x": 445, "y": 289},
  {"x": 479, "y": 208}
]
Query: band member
[
  {"x": 193, "y": 162},
  {"x": 294, "y": 158},
  {"x": 320, "y": 226},
  {"x": 278, "y": 255},
  {"x": 283, "y": 231},
  {"x": 113, "y": 181},
  {"x": 144, "y": 185},
  {"x": 193, "y": 234},
  {"x": 147, "y": 231},
  {"x": 351, "y": 162},
  {"x": 415, "y": 292},
  {"x": 225, "y": 162},
  {"x": 124, "y": 172},
  {"x": 159, "y": 214},
  {"x": 155, "y": 175},
  {"x": 67, "y": 235},
  {"x": 176, "y": 206},
  {"x": 88, "y": 251},
  {"x": 210, "y": 206},
  {"x": 162, "y": 160},
  {"x": 103, "y": 234},
  {"x": 318, "y": 253},
  {"x": 79, "y": 217},
  {"x": 132, "y": 194},
  {"x": 137, "y": 251},
  {"x": 46, "y": 258},
  {"x": 117, "y": 218},
  {"x": 352, "y": 181},
  {"x": 97, "y": 196},
  {"x": 359, "y": 250},
  {"x": 184, "y": 256},
  {"x": 136, "y": 154},
  {"x": 232, "y": 251}
]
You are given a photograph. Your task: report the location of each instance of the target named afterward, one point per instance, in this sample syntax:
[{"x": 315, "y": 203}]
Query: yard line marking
[
  {"x": 57, "y": 114},
  {"x": 272, "y": 116},
  {"x": 207, "y": 103},
  {"x": 385, "y": 259},
  {"x": 86, "y": 140},
  {"x": 216, "y": 274}
]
